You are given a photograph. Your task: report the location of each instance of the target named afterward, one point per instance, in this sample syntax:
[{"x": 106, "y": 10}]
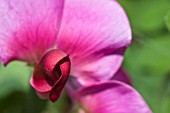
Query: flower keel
[{"x": 50, "y": 74}]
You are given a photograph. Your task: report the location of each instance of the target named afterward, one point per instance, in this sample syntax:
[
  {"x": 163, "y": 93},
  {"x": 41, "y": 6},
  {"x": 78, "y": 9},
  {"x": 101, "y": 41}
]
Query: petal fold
[
  {"x": 122, "y": 75},
  {"x": 111, "y": 97},
  {"x": 28, "y": 28},
  {"x": 50, "y": 74},
  {"x": 95, "y": 33}
]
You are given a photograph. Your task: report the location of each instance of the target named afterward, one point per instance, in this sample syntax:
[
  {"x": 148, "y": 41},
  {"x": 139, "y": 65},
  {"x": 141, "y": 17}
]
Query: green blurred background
[{"x": 147, "y": 60}]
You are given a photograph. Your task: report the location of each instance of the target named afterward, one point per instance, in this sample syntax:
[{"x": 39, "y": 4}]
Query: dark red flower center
[{"x": 51, "y": 73}]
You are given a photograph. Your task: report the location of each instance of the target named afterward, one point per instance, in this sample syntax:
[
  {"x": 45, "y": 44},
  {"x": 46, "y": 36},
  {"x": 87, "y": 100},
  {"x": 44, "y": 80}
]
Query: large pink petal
[
  {"x": 28, "y": 28},
  {"x": 95, "y": 33},
  {"x": 111, "y": 97}
]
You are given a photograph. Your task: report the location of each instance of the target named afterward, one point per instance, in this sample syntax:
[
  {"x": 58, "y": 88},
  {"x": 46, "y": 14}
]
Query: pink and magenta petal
[
  {"x": 111, "y": 97},
  {"x": 95, "y": 33},
  {"x": 28, "y": 28}
]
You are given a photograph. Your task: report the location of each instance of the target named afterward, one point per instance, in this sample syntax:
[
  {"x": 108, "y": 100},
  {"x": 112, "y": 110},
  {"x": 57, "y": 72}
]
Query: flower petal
[
  {"x": 111, "y": 97},
  {"x": 28, "y": 28},
  {"x": 93, "y": 71},
  {"x": 50, "y": 74},
  {"x": 122, "y": 76},
  {"x": 59, "y": 85},
  {"x": 95, "y": 33}
]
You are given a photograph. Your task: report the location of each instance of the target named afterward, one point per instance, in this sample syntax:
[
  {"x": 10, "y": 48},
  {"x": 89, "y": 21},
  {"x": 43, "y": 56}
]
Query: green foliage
[
  {"x": 32, "y": 104},
  {"x": 61, "y": 106},
  {"x": 12, "y": 103},
  {"x": 148, "y": 64},
  {"x": 14, "y": 77},
  {"x": 16, "y": 95},
  {"x": 147, "y": 15},
  {"x": 167, "y": 20},
  {"x": 148, "y": 58}
]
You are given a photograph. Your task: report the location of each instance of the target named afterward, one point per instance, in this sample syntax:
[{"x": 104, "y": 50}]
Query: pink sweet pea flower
[{"x": 88, "y": 35}]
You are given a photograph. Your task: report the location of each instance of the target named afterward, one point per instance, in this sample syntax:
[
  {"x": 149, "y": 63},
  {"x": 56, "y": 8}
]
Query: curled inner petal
[{"x": 50, "y": 74}]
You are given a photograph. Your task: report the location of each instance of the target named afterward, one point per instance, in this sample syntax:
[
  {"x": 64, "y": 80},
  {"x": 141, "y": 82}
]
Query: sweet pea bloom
[
  {"x": 93, "y": 35},
  {"x": 82, "y": 38}
]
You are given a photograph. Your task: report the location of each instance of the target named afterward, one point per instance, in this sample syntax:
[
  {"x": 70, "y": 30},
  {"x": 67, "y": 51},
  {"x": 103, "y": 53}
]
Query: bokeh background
[{"x": 147, "y": 61}]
